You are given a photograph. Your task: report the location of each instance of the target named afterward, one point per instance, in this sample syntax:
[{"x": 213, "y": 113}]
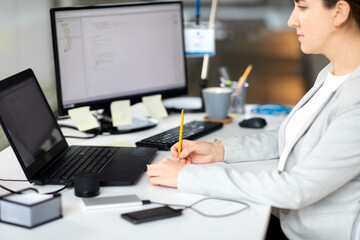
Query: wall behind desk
[{"x": 25, "y": 42}]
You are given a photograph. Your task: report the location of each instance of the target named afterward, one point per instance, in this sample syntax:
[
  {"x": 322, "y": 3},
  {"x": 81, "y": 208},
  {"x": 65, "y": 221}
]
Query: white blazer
[{"x": 318, "y": 192}]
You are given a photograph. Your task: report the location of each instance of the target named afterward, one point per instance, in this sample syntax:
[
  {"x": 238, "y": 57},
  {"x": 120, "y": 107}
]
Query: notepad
[
  {"x": 121, "y": 113},
  {"x": 120, "y": 143},
  {"x": 83, "y": 118},
  {"x": 155, "y": 106},
  {"x": 28, "y": 198}
]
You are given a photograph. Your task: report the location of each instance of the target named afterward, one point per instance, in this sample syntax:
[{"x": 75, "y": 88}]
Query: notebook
[{"x": 42, "y": 150}]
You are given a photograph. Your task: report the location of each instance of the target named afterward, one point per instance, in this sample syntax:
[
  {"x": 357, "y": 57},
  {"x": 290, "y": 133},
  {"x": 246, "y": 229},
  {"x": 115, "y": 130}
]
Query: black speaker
[{"x": 86, "y": 185}]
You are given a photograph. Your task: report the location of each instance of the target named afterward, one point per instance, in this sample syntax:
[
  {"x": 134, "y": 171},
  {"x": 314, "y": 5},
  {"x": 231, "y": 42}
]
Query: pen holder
[{"x": 238, "y": 99}]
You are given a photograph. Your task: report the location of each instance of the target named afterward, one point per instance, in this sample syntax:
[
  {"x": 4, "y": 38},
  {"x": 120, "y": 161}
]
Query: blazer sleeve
[
  {"x": 333, "y": 162},
  {"x": 254, "y": 147}
]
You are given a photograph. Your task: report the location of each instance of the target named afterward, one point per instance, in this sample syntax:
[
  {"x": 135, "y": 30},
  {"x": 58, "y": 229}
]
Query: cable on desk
[
  {"x": 57, "y": 191},
  {"x": 8, "y": 189},
  {"x": 34, "y": 189},
  {"x": 191, "y": 206}
]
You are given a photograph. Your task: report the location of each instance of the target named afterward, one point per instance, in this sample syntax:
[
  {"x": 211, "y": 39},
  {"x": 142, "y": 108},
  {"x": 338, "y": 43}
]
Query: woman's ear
[{"x": 341, "y": 13}]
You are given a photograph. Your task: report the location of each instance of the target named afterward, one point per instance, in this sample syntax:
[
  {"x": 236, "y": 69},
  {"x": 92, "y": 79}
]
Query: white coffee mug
[{"x": 217, "y": 102}]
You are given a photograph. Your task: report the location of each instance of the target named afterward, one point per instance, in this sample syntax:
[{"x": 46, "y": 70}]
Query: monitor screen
[{"x": 113, "y": 52}]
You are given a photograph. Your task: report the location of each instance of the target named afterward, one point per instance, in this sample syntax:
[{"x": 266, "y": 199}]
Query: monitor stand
[
  {"x": 106, "y": 126},
  {"x": 189, "y": 104}
]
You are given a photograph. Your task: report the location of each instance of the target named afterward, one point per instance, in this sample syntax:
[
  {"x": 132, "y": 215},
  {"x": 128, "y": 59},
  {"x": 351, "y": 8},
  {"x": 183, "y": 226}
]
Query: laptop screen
[{"x": 28, "y": 121}]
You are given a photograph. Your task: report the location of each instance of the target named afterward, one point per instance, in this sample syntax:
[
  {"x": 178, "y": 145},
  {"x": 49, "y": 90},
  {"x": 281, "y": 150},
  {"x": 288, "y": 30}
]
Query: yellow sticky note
[
  {"x": 83, "y": 118},
  {"x": 155, "y": 106},
  {"x": 121, "y": 113},
  {"x": 121, "y": 143}
]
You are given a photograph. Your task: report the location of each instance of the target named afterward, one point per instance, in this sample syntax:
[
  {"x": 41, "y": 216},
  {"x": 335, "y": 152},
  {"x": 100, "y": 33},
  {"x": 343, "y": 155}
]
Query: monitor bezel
[{"x": 105, "y": 103}]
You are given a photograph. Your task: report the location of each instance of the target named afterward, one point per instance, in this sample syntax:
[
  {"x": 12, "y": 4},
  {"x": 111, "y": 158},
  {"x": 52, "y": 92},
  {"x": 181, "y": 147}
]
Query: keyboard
[
  {"x": 191, "y": 130},
  {"x": 80, "y": 159}
]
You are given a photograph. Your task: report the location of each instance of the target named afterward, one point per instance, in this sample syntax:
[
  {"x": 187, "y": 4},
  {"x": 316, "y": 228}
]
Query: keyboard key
[
  {"x": 191, "y": 131},
  {"x": 83, "y": 159}
]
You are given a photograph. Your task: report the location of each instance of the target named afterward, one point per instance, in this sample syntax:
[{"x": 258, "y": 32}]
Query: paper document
[
  {"x": 28, "y": 198},
  {"x": 83, "y": 118},
  {"x": 121, "y": 113},
  {"x": 155, "y": 106}
]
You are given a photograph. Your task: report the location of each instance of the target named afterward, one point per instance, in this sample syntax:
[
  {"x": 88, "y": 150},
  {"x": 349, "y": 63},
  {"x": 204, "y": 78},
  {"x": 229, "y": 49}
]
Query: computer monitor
[{"x": 105, "y": 53}]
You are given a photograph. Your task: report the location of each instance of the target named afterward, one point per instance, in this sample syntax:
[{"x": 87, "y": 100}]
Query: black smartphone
[{"x": 151, "y": 214}]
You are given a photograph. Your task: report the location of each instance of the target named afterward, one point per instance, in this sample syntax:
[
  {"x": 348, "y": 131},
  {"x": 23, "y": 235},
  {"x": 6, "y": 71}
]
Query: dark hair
[{"x": 354, "y": 5}]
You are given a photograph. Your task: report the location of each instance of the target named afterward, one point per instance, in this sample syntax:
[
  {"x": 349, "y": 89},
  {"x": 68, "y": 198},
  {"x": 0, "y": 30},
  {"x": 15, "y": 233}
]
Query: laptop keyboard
[
  {"x": 81, "y": 159},
  {"x": 191, "y": 130}
]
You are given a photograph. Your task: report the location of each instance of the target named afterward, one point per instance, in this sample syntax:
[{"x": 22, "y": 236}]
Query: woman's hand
[
  {"x": 165, "y": 172},
  {"x": 198, "y": 152}
]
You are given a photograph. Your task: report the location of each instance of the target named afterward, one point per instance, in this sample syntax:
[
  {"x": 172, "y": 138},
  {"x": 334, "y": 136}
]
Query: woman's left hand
[{"x": 165, "y": 172}]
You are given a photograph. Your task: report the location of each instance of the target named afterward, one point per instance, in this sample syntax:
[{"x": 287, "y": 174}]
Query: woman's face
[{"x": 312, "y": 21}]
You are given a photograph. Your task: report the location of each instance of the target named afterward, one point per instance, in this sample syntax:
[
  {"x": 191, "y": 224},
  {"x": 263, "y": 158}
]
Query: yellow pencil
[
  {"x": 181, "y": 131},
  {"x": 244, "y": 77},
  {"x": 242, "y": 81}
]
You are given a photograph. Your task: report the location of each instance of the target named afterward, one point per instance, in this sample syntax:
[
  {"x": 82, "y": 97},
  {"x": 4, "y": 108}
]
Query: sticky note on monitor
[
  {"x": 155, "y": 106},
  {"x": 83, "y": 118},
  {"x": 121, "y": 113}
]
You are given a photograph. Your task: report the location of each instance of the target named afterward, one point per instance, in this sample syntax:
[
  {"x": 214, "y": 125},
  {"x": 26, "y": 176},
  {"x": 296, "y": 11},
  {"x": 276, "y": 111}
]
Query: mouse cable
[
  {"x": 191, "y": 206},
  {"x": 33, "y": 189}
]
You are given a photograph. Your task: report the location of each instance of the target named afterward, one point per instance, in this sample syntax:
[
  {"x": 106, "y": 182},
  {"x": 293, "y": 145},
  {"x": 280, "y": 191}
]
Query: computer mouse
[{"x": 253, "y": 123}]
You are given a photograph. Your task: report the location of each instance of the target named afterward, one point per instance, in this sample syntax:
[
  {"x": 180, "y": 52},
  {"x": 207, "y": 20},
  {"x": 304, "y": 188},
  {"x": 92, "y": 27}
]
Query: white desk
[{"x": 107, "y": 224}]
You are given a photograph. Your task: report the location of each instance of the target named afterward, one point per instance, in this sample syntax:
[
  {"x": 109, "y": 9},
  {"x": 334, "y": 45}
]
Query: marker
[{"x": 180, "y": 133}]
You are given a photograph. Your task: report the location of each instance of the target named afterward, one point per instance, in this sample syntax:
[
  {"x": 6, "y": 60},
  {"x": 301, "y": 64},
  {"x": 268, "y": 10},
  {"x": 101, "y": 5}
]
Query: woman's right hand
[{"x": 197, "y": 152}]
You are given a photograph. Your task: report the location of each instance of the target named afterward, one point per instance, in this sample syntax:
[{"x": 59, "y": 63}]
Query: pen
[
  {"x": 180, "y": 133},
  {"x": 197, "y": 12}
]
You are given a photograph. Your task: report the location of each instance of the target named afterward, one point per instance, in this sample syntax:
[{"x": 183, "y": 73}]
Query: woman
[{"x": 317, "y": 183}]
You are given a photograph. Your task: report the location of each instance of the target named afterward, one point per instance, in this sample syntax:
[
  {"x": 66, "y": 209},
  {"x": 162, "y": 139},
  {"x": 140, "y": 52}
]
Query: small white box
[{"x": 30, "y": 209}]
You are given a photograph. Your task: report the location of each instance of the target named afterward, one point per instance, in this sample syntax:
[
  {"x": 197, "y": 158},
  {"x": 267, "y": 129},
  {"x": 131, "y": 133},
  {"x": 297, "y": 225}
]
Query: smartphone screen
[{"x": 151, "y": 214}]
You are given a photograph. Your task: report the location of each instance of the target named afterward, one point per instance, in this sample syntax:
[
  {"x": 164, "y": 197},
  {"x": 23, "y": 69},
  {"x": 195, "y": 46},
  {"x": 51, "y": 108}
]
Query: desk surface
[{"x": 78, "y": 223}]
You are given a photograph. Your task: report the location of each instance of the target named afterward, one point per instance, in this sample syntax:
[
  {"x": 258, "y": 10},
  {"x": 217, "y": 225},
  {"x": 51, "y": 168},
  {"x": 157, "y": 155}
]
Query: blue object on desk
[
  {"x": 271, "y": 109},
  {"x": 197, "y": 12}
]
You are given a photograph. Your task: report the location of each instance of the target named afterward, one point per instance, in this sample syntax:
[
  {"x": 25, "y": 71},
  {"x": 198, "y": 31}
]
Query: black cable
[
  {"x": 34, "y": 189},
  {"x": 62, "y": 117},
  {"x": 17, "y": 192},
  {"x": 191, "y": 206},
  {"x": 57, "y": 191},
  {"x": 8, "y": 189}
]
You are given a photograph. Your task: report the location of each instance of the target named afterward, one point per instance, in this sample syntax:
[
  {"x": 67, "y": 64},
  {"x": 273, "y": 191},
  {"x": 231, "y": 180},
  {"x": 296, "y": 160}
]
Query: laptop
[{"x": 42, "y": 150}]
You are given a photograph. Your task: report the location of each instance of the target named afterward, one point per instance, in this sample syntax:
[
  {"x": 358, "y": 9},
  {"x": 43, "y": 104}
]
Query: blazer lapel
[{"x": 284, "y": 155}]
